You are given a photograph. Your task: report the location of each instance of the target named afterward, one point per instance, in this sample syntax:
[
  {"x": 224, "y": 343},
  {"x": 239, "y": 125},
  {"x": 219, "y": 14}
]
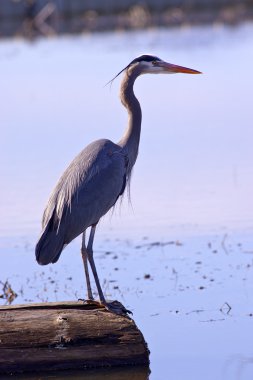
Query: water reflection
[
  {"x": 238, "y": 367},
  {"x": 192, "y": 184},
  {"x": 133, "y": 373}
]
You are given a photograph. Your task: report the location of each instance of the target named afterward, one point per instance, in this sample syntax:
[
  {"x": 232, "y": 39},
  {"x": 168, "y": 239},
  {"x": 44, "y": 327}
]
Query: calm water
[{"x": 190, "y": 223}]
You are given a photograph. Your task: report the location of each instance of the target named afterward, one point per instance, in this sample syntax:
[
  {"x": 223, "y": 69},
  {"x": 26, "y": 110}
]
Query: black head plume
[{"x": 145, "y": 58}]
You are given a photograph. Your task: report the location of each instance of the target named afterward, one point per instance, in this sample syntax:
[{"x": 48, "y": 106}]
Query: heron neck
[{"x": 131, "y": 138}]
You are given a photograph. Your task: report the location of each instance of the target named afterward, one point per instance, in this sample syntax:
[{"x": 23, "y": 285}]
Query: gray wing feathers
[
  {"x": 87, "y": 164},
  {"x": 50, "y": 244},
  {"x": 88, "y": 188}
]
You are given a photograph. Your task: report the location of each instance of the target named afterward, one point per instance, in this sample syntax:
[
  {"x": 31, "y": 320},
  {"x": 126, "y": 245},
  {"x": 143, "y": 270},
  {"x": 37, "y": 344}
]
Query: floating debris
[
  {"x": 197, "y": 311},
  {"x": 225, "y": 308},
  {"x": 223, "y": 244},
  {"x": 8, "y": 293},
  {"x": 158, "y": 244},
  {"x": 214, "y": 320}
]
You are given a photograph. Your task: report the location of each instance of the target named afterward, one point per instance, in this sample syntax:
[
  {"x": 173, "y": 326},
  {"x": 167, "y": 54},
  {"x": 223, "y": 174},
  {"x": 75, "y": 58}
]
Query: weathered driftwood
[{"x": 60, "y": 335}]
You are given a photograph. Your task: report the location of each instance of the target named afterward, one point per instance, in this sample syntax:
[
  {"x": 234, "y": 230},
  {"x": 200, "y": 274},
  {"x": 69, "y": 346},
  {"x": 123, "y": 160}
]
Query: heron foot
[
  {"x": 92, "y": 302},
  {"x": 116, "y": 307},
  {"x": 113, "y": 306}
]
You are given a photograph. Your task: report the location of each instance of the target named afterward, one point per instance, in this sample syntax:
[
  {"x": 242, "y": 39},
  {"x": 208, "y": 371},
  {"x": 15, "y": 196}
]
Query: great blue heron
[{"x": 96, "y": 178}]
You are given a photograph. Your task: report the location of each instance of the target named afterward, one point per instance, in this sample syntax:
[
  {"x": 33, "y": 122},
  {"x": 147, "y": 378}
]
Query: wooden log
[{"x": 64, "y": 335}]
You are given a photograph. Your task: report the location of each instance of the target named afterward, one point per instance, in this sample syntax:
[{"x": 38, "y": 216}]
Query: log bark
[{"x": 61, "y": 335}]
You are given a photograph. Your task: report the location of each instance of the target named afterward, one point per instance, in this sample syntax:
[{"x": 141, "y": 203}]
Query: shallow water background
[{"x": 181, "y": 254}]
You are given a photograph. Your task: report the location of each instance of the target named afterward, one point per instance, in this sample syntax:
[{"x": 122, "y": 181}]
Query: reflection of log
[
  {"x": 115, "y": 373},
  {"x": 59, "y": 335}
]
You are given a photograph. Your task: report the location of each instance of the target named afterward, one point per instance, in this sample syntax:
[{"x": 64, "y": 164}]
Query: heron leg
[
  {"x": 113, "y": 306},
  {"x": 85, "y": 264},
  {"x": 92, "y": 263}
]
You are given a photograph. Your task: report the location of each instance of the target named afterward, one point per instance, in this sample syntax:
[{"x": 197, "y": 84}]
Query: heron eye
[{"x": 154, "y": 63}]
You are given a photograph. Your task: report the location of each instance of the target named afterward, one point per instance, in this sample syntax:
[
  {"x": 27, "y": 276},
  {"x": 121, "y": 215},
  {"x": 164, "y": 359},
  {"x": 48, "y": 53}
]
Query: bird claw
[
  {"x": 113, "y": 306},
  {"x": 117, "y": 308},
  {"x": 91, "y": 302}
]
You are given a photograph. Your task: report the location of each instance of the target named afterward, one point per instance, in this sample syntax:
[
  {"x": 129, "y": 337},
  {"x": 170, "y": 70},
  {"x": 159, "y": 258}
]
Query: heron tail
[{"x": 50, "y": 244}]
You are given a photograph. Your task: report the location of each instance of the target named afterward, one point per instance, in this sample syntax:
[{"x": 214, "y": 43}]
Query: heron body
[
  {"x": 87, "y": 190},
  {"x": 96, "y": 178}
]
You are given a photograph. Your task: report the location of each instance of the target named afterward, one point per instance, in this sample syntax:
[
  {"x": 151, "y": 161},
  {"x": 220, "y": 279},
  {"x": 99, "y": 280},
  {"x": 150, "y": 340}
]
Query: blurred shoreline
[{"x": 31, "y": 18}]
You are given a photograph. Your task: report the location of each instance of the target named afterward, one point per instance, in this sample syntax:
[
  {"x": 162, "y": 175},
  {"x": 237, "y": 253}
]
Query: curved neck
[{"x": 131, "y": 138}]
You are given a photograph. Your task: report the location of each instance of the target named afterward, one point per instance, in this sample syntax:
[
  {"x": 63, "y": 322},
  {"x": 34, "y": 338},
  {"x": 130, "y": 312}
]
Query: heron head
[{"x": 150, "y": 64}]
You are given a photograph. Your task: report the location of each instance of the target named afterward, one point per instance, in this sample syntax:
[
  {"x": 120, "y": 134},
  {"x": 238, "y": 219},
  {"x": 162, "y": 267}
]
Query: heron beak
[{"x": 176, "y": 69}]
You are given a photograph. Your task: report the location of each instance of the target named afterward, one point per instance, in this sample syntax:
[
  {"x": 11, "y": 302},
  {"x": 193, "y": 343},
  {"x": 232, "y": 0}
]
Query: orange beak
[{"x": 176, "y": 69}]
